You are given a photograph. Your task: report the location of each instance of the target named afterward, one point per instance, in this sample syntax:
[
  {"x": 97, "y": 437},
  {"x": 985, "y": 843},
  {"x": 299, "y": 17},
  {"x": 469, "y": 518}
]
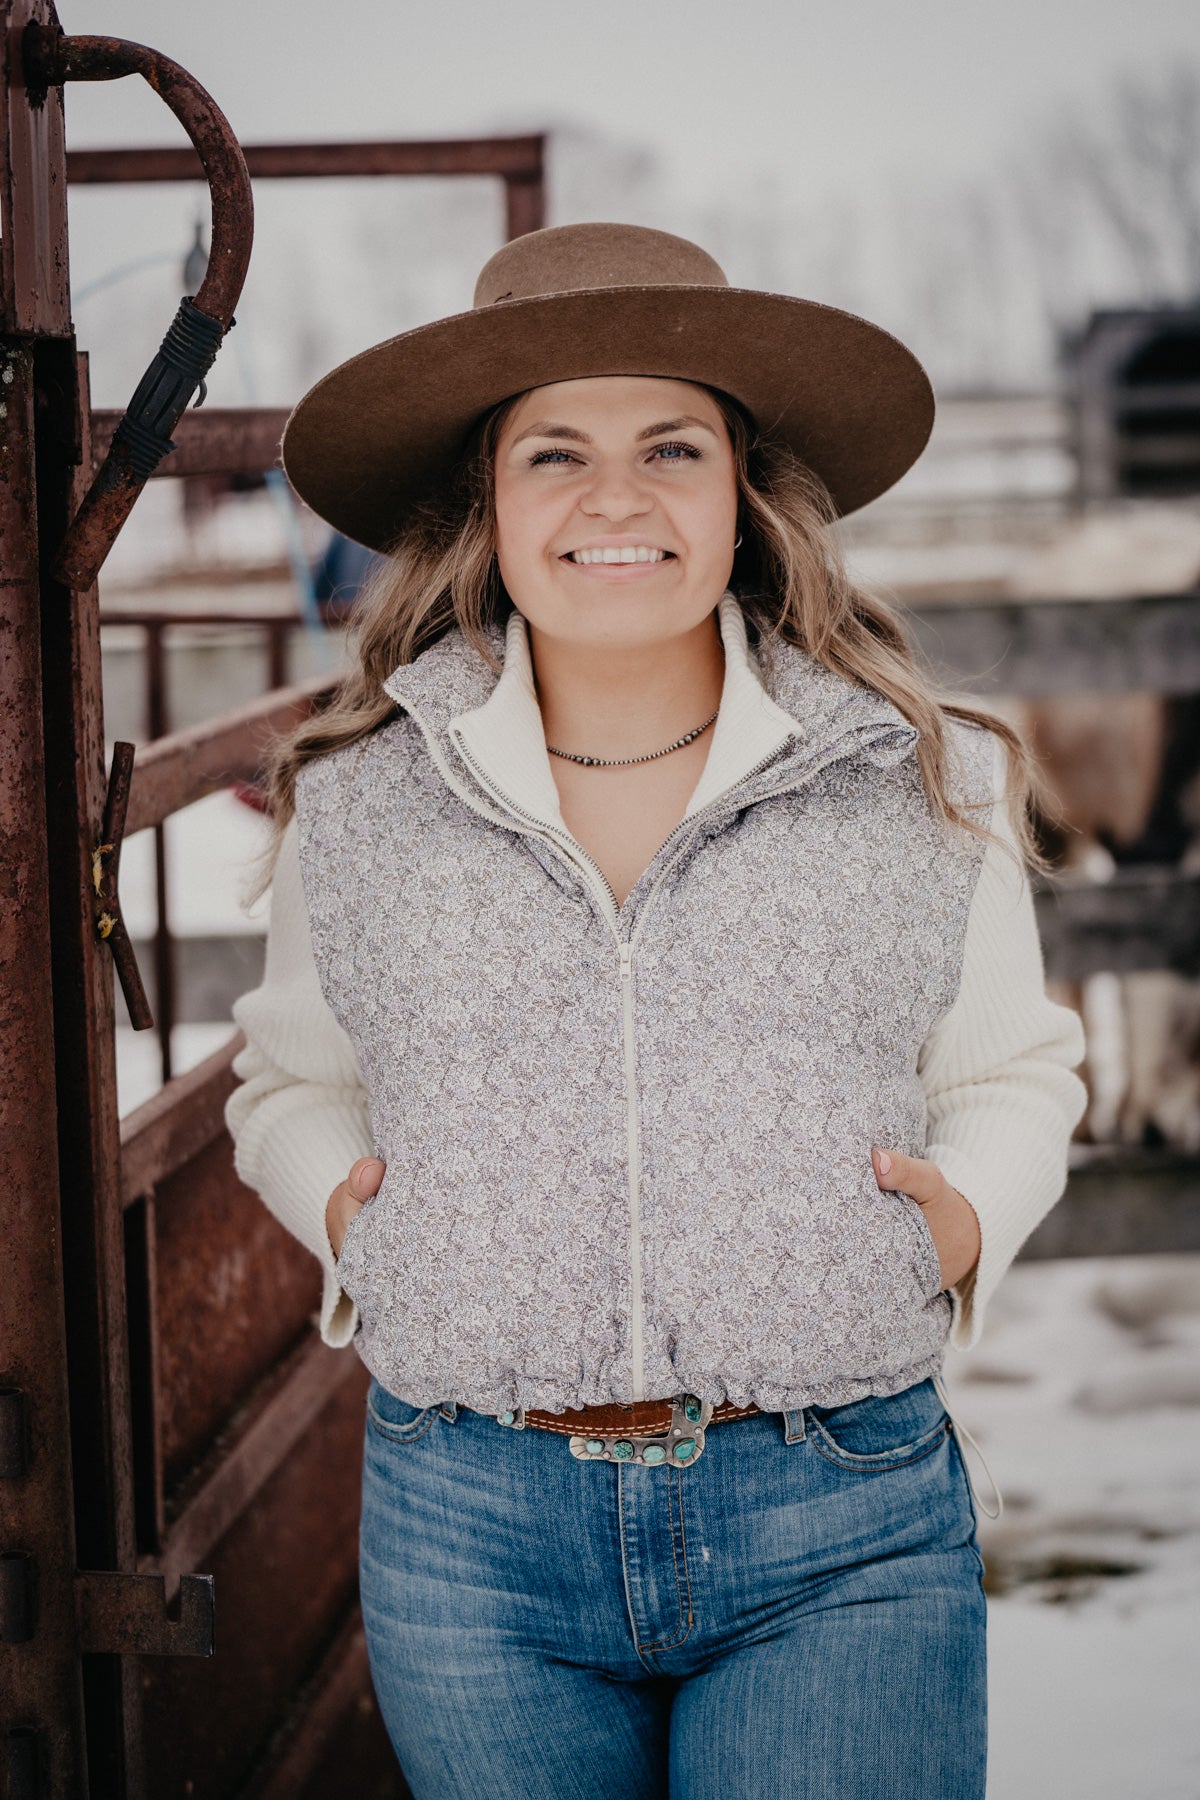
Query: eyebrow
[{"x": 546, "y": 428}]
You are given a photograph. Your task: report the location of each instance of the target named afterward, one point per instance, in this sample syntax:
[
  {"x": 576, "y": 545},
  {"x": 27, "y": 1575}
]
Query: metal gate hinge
[{"x": 120, "y": 1614}]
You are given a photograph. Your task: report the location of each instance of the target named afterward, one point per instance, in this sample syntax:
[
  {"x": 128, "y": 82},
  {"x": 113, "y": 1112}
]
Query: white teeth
[{"x": 627, "y": 553}]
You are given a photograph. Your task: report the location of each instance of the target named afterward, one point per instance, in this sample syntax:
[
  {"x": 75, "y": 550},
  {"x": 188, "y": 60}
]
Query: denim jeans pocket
[
  {"x": 880, "y": 1431},
  {"x": 395, "y": 1419}
]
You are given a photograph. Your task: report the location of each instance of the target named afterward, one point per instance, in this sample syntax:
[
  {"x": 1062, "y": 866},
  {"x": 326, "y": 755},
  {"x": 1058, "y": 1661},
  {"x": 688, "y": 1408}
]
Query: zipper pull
[{"x": 626, "y": 949}]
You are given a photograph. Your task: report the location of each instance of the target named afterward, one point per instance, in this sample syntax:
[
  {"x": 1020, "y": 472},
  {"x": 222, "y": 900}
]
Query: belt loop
[
  {"x": 794, "y": 1426},
  {"x": 449, "y": 1410}
]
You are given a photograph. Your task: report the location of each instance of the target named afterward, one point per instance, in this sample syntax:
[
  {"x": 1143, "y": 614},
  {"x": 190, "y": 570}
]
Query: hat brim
[{"x": 380, "y": 431}]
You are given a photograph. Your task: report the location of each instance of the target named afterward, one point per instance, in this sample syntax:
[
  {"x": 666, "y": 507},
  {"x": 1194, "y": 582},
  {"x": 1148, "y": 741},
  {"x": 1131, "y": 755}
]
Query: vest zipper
[
  {"x": 685, "y": 824},
  {"x": 634, "y": 1166},
  {"x": 628, "y": 1038},
  {"x": 543, "y": 830}
]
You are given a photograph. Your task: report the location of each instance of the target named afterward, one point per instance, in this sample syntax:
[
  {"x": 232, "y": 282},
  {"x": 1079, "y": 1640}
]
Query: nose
[{"x": 616, "y": 492}]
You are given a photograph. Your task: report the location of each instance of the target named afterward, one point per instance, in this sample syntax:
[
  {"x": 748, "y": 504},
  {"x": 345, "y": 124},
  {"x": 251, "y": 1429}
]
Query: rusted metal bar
[
  {"x": 88, "y": 1212},
  {"x": 119, "y": 1614},
  {"x": 14, "y": 1434},
  {"x": 524, "y": 204},
  {"x": 175, "y": 771},
  {"x": 40, "y": 1675},
  {"x": 507, "y": 157},
  {"x": 225, "y": 440},
  {"x": 106, "y": 859},
  {"x": 142, "y": 1331},
  {"x": 171, "y": 1128},
  {"x": 144, "y": 436},
  {"x": 286, "y": 621},
  {"x": 34, "y": 284},
  {"x": 157, "y": 726},
  {"x": 277, "y": 654}
]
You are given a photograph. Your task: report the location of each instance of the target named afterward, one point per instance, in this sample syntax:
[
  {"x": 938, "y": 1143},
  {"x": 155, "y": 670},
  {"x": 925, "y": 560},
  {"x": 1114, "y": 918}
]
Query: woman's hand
[
  {"x": 350, "y": 1196},
  {"x": 949, "y": 1214}
]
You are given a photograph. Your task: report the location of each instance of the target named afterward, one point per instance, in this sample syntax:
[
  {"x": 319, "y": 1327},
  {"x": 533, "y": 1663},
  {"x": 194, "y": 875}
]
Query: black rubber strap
[{"x": 184, "y": 358}]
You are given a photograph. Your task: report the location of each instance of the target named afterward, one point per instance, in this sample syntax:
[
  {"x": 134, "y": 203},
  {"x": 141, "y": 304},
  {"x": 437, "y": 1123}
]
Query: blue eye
[{"x": 673, "y": 452}]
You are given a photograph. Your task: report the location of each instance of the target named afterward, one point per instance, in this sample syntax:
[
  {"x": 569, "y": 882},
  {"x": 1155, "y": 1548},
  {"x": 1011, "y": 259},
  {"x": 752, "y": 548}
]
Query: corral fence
[
  {"x": 173, "y": 1434},
  {"x": 179, "y": 1453}
]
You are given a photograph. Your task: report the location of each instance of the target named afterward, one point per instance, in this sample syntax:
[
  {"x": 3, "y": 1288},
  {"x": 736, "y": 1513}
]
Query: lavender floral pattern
[{"x": 793, "y": 949}]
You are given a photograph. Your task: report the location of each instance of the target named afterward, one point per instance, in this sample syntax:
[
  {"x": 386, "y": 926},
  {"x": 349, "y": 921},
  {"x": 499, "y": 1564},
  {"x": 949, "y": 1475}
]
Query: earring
[{"x": 737, "y": 541}]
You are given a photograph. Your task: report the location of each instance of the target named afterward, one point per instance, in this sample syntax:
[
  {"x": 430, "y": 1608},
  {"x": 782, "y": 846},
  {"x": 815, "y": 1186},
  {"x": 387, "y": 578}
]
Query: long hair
[{"x": 788, "y": 574}]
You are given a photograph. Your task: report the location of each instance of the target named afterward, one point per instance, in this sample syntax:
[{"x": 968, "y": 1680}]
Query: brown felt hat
[{"x": 380, "y": 431}]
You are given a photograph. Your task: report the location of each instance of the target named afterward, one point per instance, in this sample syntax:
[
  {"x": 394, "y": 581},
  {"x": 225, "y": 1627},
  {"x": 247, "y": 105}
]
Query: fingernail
[{"x": 885, "y": 1161}]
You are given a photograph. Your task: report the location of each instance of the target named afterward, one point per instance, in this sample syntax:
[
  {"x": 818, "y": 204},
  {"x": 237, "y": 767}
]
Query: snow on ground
[{"x": 1084, "y": 1393}]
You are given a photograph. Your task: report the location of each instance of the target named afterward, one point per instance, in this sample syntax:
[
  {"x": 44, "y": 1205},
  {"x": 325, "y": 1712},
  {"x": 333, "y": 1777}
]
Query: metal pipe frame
[
  {"x": 519, "y": 162},
  {"x": 51, "y": 59}
]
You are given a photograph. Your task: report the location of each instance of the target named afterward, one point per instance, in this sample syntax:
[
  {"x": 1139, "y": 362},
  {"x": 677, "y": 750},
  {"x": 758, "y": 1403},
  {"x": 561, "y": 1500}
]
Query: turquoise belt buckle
[{"x": 681, "y": 1445}]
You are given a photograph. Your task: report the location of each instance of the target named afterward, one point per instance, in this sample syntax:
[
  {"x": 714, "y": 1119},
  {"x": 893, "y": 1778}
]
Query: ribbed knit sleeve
[
  {"x": 300, "y": 1118},
  {"x": 1002, "y": 1100}
]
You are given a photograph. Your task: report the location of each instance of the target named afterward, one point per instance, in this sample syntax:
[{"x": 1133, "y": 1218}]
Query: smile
[{"x": 628, "y": 553}]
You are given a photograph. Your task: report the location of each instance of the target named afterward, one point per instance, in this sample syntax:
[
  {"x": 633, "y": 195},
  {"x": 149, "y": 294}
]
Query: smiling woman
[
  {"x": 653, "y": 1047},
  {"x": 616, "y": 524}
]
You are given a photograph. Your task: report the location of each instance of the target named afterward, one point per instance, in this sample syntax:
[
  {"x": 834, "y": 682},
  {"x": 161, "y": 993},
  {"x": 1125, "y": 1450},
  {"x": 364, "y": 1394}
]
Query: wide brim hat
[{"x": 381, "y": 432}]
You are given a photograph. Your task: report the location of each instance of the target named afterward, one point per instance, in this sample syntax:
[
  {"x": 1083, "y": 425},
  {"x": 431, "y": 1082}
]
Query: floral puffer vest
[{"x": 628, "y": 1148}]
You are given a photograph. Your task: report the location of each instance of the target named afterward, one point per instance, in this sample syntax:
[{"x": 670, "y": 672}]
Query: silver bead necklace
[{"x": 621, "y": 762}]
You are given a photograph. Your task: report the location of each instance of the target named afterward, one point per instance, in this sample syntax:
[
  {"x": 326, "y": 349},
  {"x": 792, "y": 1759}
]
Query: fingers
[
  {"x": 365, "y": 1177},
  {"x": 913, "y": 1174},
  {"x": 350, "y": 1196}
]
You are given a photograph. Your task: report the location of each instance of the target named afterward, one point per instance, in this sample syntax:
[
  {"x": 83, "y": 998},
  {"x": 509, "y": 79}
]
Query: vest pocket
[
  {"x": 928, "y": 1262},
  {"x": 344, "y": 1266}
]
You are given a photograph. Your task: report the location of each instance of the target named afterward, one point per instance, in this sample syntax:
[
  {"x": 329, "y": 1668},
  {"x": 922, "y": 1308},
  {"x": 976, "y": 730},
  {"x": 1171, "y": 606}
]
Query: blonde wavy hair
[{"x": 788, "y": 574}]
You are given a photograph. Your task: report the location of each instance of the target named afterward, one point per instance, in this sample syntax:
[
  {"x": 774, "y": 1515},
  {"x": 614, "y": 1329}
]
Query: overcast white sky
[{"x": 795, "y": 130}]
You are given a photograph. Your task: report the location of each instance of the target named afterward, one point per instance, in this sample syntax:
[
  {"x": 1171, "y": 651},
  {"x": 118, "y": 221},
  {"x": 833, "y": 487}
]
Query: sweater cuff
[
  {"x": 1004, "y": 1224},
  {"x": 297, "y": 1167}
]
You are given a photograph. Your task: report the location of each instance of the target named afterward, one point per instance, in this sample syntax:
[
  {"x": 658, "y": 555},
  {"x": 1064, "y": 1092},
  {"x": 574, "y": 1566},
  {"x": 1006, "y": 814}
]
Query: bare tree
[{"x": 1112, "y": 196}]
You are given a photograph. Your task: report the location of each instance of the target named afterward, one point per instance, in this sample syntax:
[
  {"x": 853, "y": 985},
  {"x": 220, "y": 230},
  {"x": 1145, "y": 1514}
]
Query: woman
[{"x": 653, "y": 1046}]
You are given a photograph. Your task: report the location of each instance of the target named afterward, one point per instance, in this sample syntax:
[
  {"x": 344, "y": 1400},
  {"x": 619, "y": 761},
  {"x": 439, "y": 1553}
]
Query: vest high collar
[{"x": 495, "y": 722}]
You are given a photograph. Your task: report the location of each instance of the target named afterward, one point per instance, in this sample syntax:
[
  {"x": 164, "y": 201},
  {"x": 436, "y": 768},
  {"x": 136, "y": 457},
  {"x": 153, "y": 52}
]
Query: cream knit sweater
[{"x": 997, "y": 1072}]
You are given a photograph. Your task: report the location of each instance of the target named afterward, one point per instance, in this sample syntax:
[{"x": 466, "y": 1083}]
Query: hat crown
[{"x": 567, "y": 258}]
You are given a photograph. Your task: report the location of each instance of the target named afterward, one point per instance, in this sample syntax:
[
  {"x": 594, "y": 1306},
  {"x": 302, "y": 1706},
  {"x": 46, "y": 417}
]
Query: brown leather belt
[{"x": 654, "y": 1432}]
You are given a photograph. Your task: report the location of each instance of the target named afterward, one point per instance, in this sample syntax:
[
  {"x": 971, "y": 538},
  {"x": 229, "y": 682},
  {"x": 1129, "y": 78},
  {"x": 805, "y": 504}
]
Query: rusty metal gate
[{"x": 180, "y": 1455}]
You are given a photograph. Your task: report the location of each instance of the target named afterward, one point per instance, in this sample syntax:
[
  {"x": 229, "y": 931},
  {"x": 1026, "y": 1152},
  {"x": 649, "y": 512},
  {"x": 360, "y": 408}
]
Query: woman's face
[{"x": 615, "y": 466}]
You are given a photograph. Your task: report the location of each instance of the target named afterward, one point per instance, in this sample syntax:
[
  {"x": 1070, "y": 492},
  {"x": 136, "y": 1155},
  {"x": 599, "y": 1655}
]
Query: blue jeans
[{"x": 801, "y": 1613}]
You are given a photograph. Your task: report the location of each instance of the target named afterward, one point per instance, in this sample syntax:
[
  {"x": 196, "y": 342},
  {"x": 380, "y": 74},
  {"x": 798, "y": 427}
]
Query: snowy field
[{"x": 1084, "y": 1393}]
